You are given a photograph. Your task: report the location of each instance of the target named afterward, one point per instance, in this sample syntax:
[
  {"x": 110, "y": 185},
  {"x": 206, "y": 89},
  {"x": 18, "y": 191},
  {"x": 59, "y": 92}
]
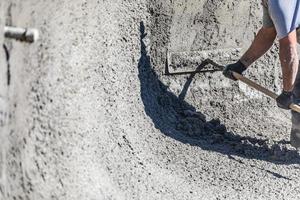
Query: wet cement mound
[
  {"x": 176, "y": 118},
  {"x": 91, "y": 117}
]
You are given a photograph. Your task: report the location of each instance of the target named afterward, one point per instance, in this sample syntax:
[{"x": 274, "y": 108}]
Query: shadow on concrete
[{"x": 175, "y": 118}]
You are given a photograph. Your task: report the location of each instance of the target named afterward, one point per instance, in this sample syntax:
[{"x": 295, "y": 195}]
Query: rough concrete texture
[{"x": 92, "y": 115}]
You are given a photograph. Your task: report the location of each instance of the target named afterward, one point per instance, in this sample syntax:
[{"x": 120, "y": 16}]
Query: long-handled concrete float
[
  {"x": 180, "y": 63},
  {"x": 258, "y": 87}
]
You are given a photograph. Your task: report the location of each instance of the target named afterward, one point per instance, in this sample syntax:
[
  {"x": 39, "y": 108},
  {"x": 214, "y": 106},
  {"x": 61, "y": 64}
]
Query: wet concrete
[{"x": 92, "y": 114}]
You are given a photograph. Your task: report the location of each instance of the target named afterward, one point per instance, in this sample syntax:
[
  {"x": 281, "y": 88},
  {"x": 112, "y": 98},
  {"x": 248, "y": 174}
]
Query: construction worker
[{"x": 281, "y": 18}]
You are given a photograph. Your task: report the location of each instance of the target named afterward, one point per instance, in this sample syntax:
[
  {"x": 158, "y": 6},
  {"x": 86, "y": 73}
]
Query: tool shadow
[{"x": 175, "y": 118}]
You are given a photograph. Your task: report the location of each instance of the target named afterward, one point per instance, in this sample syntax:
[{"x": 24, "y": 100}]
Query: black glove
[
  {"x": 284, "y": 100},
  {"x": 237, "y": 67}
]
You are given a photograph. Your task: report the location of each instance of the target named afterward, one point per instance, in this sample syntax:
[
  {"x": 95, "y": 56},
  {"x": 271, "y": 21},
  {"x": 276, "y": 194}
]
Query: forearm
[
  {"x": 289, "y": 60},
  {"x": 289, "y": 71},
  {"x": 261, "y": 44}
]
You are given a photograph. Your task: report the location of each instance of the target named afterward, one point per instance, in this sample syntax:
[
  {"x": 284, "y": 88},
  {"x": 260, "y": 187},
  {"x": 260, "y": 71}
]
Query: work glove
[
  {"x": 284, "y": 100},
  {"x": 237, "y": 67}
]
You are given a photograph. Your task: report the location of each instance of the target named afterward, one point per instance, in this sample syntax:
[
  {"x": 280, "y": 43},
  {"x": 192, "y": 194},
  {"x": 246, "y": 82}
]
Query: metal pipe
[{"x": 29, "y": 35}]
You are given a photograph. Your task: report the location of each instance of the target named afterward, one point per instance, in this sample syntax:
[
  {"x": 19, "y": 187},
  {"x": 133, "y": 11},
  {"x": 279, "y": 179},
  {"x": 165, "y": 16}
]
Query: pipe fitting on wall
[{"x": 29, "y": 35}]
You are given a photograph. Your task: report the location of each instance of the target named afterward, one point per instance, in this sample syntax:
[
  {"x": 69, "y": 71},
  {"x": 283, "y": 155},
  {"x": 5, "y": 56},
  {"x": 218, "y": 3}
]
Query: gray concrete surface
[{"x": 91, "y": 114}]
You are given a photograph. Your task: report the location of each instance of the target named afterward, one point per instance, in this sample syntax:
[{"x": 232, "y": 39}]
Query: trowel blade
[{"x": 189, "y": 62}]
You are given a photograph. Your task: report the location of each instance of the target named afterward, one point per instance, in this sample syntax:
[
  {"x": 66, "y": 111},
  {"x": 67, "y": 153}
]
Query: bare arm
[
  {"x": 261, "y": 44},
  {"x": 289, "y": 60}
]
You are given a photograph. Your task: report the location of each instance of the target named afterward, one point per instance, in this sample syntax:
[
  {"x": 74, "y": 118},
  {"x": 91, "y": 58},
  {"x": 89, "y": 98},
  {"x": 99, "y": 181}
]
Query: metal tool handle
[{"x": 258, "y": 87}]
